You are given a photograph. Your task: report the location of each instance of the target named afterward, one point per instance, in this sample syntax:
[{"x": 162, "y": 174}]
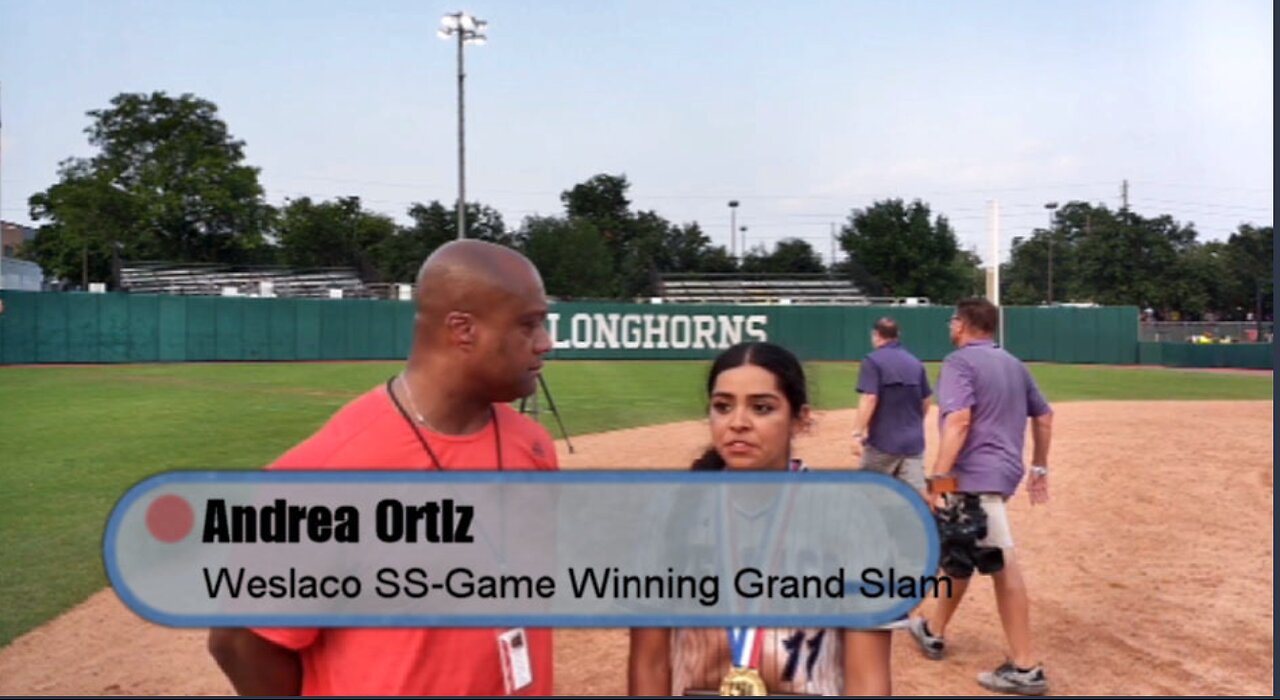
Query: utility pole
[
  {"x": 994, "y": 292},
  {"x": 733, "y": 229},
  {"x": 1052, "y": 207}
]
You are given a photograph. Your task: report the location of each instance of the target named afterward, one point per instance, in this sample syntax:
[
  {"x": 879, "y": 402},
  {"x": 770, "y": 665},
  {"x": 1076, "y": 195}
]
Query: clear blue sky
[{"x": 801, "y": 111}]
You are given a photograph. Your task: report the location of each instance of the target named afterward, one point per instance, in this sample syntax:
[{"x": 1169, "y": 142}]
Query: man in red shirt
[{"x": 478, "y": 342}]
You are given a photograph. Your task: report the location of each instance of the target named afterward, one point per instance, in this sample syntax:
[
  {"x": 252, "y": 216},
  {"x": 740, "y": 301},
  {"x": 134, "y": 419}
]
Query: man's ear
[{"x": 462, "y": 328}]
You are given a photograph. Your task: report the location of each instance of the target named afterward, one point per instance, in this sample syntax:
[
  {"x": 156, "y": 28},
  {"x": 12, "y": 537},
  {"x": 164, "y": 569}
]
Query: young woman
[{"x": 758, "y": 404}]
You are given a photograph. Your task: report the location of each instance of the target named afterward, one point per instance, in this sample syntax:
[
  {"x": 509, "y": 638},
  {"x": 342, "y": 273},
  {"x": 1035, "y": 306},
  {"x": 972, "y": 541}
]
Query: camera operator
[{"x": 985, "y": 396}]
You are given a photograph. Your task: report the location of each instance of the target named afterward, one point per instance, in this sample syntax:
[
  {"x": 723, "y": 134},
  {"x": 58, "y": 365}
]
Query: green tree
[
  {"x": 340, "y": 233},
  {"x": 716, "y": 260},
  {"x": 602, "y": 201},
  {"x": 898, "y": 250},
  {"x": 794, "y": 255},
  {"x": 789, "y": 256},
  {"x": 641, "y": 246},
  {"x": 601, "y": 198},
  {"x": 432, "y": 225},
  {"x": 87, "y": 218},
  {"x": 167, "y": 182},
  {"x": 644, "y": 255},
  {"x": 756, "y": 260},
  {"x": 484, "y": 223},
  {"x": 1250, "y": 277},
  {"x": 1127, "y": 259},
  {"x": 685, "y": 248},
  {"x": 1120, "y": 257},
  {"x": 571, "y": 255},
  {"x": 969, "y": 269}
]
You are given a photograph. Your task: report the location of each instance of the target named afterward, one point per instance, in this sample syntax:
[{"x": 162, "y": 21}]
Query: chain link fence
[{"x": 1222, "y": 331}]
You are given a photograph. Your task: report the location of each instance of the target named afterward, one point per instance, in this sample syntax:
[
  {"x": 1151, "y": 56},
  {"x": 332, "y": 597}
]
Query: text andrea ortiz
[{"x": 448, "y": 522}]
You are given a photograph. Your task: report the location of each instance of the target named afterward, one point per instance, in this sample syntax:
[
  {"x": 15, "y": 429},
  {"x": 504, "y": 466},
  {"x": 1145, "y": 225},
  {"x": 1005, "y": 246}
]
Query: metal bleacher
[
  {"x": 208, "y": 279},
  {"x": 811, "y": 289}
]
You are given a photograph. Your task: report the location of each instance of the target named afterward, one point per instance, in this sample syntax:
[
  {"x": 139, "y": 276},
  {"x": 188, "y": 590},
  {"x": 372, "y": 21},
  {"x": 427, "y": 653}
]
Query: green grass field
[{"x": 74, "y": 439}]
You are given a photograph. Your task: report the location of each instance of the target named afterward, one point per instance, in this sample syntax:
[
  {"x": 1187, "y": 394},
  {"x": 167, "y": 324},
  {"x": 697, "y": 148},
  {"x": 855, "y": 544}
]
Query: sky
[{"x": 800, "y": 111}]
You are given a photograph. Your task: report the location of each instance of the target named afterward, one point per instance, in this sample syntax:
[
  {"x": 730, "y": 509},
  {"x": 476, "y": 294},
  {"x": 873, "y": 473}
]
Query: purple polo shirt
[
  {"x": 900, "y": 385},
  {"x": 1002, "y": 395}
]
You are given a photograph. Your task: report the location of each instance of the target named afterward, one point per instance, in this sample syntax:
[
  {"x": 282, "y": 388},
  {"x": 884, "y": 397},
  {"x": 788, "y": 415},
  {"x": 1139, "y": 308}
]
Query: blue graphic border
[{"x": 612, "y": 476}]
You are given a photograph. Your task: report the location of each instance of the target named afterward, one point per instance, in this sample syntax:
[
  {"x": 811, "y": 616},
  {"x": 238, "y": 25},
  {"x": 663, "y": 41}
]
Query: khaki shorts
[{"x": 907, "y": 468}]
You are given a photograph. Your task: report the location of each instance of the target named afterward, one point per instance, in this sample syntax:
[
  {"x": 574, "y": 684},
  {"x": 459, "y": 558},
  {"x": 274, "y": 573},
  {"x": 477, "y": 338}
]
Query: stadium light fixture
[{"x": 468, "y": 30}]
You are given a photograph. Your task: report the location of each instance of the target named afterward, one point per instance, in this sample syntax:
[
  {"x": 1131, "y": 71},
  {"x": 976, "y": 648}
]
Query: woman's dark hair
[{"x": 779, "y": 361}]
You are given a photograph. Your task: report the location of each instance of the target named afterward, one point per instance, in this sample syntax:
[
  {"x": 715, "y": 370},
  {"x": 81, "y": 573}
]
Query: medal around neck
[
  {"x": 742, "y": 682},
  {"x": 745, "y": 645}
]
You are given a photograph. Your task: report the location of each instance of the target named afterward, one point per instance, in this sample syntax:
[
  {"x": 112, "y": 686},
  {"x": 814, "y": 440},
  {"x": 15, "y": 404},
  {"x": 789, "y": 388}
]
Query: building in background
[{"x": 14, "y": 273}]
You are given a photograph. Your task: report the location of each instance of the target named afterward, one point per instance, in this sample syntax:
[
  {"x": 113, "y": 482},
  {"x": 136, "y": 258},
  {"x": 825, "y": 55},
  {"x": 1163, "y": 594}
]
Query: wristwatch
[{"x": 1039, "y": 470}]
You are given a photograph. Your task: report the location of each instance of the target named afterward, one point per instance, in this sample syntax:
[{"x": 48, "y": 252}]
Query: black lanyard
[{"x": 493, "y": 418}]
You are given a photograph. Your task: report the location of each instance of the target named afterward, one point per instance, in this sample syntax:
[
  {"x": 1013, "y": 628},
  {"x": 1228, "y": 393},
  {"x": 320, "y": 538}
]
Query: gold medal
[{"x": 743, "y": 682}]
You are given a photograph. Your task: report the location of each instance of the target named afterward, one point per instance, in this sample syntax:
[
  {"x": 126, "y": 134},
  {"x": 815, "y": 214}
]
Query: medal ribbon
[{"x": 746, "y": 646}]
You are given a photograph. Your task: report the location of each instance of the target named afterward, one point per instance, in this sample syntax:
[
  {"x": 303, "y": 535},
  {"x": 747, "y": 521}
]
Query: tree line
[
  {"x": 169, "y": 182},
  {"x": 1115, "y": 257}
]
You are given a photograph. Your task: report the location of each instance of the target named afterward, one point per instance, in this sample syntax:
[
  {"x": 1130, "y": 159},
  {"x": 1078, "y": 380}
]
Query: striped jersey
[{"x": 807, "y": 661}]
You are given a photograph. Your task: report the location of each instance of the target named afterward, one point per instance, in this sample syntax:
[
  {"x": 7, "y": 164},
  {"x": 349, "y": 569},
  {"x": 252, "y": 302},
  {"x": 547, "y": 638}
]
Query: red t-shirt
[{"x": 370, "y": 433}]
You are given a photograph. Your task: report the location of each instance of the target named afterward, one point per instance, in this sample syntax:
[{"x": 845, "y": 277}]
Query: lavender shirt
[
  {"x": 900, "y": 384},
  {"x": 1002, "y": 395}
]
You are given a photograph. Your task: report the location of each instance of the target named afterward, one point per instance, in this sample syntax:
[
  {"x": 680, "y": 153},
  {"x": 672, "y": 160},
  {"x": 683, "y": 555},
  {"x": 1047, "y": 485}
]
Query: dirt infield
[{"x": 1150, "y": 572}]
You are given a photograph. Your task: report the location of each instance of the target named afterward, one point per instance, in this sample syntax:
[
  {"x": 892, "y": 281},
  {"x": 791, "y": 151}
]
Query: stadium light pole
[
  {"x": 468, "y": 30},
  {"x": 1052, "y": 207},
  {"x": 733, "y": 229}
]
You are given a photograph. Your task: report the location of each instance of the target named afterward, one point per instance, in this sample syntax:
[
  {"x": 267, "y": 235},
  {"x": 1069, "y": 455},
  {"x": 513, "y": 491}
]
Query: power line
[
  {"x": 1206, "y": 187},
  {"x": 1205, "y": 205}
]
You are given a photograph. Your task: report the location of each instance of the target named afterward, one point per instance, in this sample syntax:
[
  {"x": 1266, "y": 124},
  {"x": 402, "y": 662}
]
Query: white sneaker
[{"x": 933, "y": 647}]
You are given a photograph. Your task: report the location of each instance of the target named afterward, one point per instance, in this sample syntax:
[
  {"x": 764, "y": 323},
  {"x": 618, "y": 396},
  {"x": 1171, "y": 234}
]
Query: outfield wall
[
  {"x": 106, "y": 328},
  {"x": 1232, "y": 355}
]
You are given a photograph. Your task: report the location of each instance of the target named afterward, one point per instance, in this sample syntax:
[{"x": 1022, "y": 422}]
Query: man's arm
[
  {"x": 926, "y": 390},
  {"x": 866, "y": 410},
  {"x": 955, "y": 430},
  {"x": 869, "y": 390},
  {"x": 254, "y": 665},
  {"x": 1041, "y": 432},
  {"x": 1041, "y": 435},
  {"x": 649, "y": 662}
]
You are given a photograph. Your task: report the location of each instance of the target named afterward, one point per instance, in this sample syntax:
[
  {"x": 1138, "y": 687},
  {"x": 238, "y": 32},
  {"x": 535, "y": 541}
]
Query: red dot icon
[{"x": 170, "y": 518}]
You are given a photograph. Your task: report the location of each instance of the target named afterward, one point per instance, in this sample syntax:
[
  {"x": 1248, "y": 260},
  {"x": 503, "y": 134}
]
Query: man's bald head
[
  {"x": 481, "y": 315},
  {"x": 473, "y": 276}
]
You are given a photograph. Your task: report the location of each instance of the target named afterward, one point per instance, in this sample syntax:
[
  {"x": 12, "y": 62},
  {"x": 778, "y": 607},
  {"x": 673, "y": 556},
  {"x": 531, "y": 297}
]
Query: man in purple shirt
[
  {"x": 888, "y": 430},
  {"x": 985, "y": 396}
]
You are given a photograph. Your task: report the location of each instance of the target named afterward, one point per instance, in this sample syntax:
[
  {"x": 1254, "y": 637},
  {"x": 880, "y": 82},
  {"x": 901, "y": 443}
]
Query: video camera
[{"x": 962, "y": 523}]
